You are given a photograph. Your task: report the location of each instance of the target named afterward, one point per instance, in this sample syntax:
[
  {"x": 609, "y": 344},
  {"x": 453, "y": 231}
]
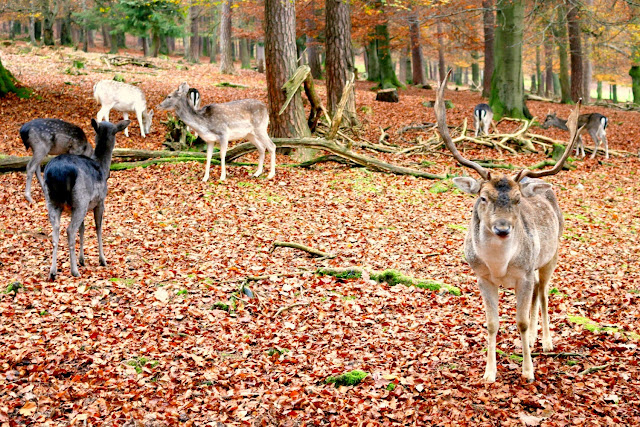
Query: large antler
[
  {"x": 574, "y": 134},
  {"x": 441, "y": 117}
]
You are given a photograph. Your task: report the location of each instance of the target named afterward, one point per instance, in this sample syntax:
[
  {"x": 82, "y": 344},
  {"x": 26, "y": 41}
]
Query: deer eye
[{"x": 483, "y": 199}]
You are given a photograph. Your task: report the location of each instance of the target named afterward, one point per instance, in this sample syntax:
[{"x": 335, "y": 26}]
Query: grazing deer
[
  {"x": 229, "y": 121},
  {"x": 80, "y": 183},
  {"x": 595, "y": 124},
  {"x": 125, "y": 98},
  {"x": 482, "y": 118},
  {"x": 50, "y": 136},
  {"x": 512, "y": 241}
]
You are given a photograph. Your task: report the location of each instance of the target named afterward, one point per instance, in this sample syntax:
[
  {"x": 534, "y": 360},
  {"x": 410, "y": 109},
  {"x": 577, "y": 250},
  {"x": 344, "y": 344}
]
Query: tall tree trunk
[
  {"x": 114, "y": 42},
  {"x": 373, "y": 64},
  {"x": 32, "y": 30},
  {"x": 260, "y": 57},
  {"x": 388, "y": 78},
  {"x": 339, "y": 62},
  {"x": 7, "y": 82},
  {"x": 226, "y": 58},
  {"x": 213, "y": 42},
  {"x": 106, "y": 40},
  {"x": 280, "y": 50},
  {"x": 144, "y": 41},
  {"x": 560, "y": 34},
  {"x": 539, "y": 72},
  {"x": 634, "y": 72},
  {"x": 441, "y": 65},
  {"x": 313, "y": 46},
  {"x": 192, "y": 51},
  {"x": 155, "y": 44},
  {"x": 575, "y": 43},
  {"x": 548, "y": 64},
  {"x": 588, "y": 65},
  {"x": 489, "y": 24},
  {"x": 507, "y": 83},
  {"x": 245, "y": 59},
  {"x": 48, "y": 20},
  {"x": 417, "y": 59}
]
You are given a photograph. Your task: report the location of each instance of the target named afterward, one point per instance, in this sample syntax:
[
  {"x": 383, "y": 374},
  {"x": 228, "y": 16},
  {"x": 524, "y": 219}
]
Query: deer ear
[
  {"x": 530, "y": 187},
  {"x": 94, "y": 124},
  {"x": 121, "y": 125},
  {"x": 184, "y": 87},
  {"x": 467, "y": 184}
]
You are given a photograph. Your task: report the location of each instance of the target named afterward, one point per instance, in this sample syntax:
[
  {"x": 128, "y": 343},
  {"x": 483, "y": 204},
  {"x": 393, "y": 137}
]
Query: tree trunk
[
  {"x": 575, "y": 43},
  {"x": 280, "y": 50},
  {"x": 114, "y": 42},
  {"x": 193, "y": 54},
  {"x": 634, "y": 72},
  {"x": 599, "y": 89},
  {"x": 539, "y": 77},
  {"x": 155, "y": 44},
  {"x": 314, "y": 57},
  {"x": 145, "y": 46},
  {"x": 441, "y": 65},
  {"x": 507, "y": 83},
  {"x": 226, "y": 59},
  {"x": 388, "y": 78},
  {"x": 339, "y": 62},
  {"x": 106, "y": 40},
  {"x": 373, "y": 63},
  {"x": 7, "y": 82},
  {"x": 32, "y": 30},
  {"x": 548, "y": 64},
  {"x": 560, "y": 34},
  {"x": 489, "y": 23},
  {"x": 47, "y": 28},
  {"x": 245, "y": 59},
  {"x": 417, "y": 59},
  {"x": 588, "y": 65},
  {"x": 260, "y": 57}
]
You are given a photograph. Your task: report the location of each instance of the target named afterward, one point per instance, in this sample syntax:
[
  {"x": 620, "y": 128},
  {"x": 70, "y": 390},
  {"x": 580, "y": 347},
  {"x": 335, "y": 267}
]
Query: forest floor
[{"x": 145, "y": 341}]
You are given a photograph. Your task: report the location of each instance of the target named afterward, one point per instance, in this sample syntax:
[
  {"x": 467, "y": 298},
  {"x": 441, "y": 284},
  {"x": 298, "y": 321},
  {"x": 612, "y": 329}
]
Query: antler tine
[
  {"x": 574, "y": 134},
  {"x": 441, "y": 117}
]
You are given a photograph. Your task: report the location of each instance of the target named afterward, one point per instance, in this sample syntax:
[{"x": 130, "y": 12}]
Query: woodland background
[{"x": 198, "y": 320}]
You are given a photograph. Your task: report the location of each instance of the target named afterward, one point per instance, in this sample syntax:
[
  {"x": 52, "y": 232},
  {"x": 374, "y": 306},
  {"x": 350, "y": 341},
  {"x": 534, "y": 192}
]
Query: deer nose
[{"x": 502, "y": 228}]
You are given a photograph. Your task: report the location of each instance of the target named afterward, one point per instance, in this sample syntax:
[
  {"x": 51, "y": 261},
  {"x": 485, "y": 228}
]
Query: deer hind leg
[
  {"x": 81, "y": 236},
  {"x": 54, "y": 218},
  {"x": 579, "y": 146},
  {"x": 476, "y": 123},
  {"x": 524, "y": 294},
  {"x": 140, "y": 122},
  {"x": 490, "y": 298},
  {"x": 224, "y": 143},
  {"x": 34, "y": 167},
  {"x": 208, "y": 164},
  {"x": 77, "y": 220},
  {"x": 271, "y": 147},
  {"x": 103, "y": 114},
  {"x": 533, "y": 323},
  {"x": 543, "y": 296},
  {"x": 596, "y": 141},
  {"x": 261, "y": 150},
  {"x": 98, "y": 213}
]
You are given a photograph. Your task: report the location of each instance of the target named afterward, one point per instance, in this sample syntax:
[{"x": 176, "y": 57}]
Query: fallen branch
[
  {"x": 127, "y": 60},
  {"x": 594, "y": 369},
  {"x": 289, "y": 307},
  {"x": 337, "y": 117},
  {"x": 312, "y": 251},
  {"x": 322, "y": 159}
]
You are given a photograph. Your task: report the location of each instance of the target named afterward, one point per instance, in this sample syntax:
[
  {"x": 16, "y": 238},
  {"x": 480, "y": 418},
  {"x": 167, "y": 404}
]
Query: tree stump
[{"x": 388, "y": 95}]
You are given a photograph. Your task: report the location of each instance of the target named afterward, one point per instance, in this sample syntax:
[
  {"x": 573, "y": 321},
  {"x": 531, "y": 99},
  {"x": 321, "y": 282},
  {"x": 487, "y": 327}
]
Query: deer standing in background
[
  {"x": 482, "y": 118},
  {"x": 79, "y": 183},
  {"x": 512, "y": 241},
  {"x": 50, "y": 136},
  {"x": 229, "y": 121},
  {"x": 125, "y": 98},
  {"x": 594, "y": 123},
  {"x": 194, "y": 96}
]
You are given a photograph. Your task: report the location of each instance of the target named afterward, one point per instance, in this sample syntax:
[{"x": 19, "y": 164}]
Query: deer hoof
[
  {"x": 52, "y": 276},
  {"x": 75, "y": 273},
  {"x": 81, "y": 261},
  {"x": 103, "y": 262},
  {"x": 271, "y": 175}
]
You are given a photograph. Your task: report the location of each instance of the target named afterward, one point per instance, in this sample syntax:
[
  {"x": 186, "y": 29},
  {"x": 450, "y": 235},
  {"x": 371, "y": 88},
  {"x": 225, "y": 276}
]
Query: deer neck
[
  {"x": 561, "y": 124},
  {"x": 191, "y": 117},
  {"x": 496, "y": 253},
  {"x": 102, "y": 155}
]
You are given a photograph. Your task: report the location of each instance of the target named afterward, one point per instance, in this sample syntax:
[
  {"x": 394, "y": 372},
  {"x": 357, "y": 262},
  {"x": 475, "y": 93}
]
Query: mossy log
[{"x": 13, "y": 163}]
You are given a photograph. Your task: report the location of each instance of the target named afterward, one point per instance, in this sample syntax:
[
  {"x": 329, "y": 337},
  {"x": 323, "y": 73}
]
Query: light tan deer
[{"x": 512, "y": 242}]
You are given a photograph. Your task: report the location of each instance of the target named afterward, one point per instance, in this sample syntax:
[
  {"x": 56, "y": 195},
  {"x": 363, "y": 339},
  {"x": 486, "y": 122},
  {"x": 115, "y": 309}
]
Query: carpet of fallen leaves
[{"x": 140, "y": 342}]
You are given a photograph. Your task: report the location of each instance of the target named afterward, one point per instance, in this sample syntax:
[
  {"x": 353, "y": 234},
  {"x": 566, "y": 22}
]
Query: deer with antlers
[{"x": 512, "y": 241}]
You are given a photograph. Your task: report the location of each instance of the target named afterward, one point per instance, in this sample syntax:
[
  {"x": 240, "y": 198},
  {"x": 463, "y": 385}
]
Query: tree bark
[
  {"x": 7, "y": 81},
  {"x": 441, "y": 65},
  {"x": 588, "y": 65},
  {"x": 388, "y": 78},
  {"x": 634, "y": 72},
  {"x": 548, "y": 64},
  {"x": 280, "y": 50},
  {"x": 560, "y": 33},
  {"x": 575, "y": 44},
  {"x": 48, "y": 19},
  {"x": 507, "y": 84},
  {"x": 226, "y": 59},
  {"x": 193, "y": 50},
  {"x": 260, "y": 57},
  {"x": 539, "y": 76},
  {"x": 245, "y": 59},
  {"x": 373, "y": 64},
  {"x": 417, "y": 59},
  {"x": 489, "y": 23},
  {"x": 339, "y": 61}
]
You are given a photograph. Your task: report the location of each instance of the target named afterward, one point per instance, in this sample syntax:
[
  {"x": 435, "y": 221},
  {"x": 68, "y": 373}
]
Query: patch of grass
[
  {"x": 13, "y": 287},
  {"x": 349, "y": 378},
  {"x": 457, "y": 227},
  {"x": 227, "y": 84},
  {"x": 182, "y": 292},
  {"x": 572, "y": 362},
  {"x": 140, "y": 362},
  {"x": 391, "y": 386},
  {"x": 346, "y": 274},
  {"x": 438, "y": 187},
  {"x": 220, "y": 306},
  {"x": 119, "y": 78},
  {"x": 43, "y": 313},
  {"x": 278, "y": 351},
  {"x": 595, "y": 327},
  {"x": 394, "y": 277},
  {"x": 126, "y": 282}
]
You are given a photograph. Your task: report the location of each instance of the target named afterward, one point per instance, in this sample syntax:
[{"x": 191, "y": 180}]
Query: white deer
[
  {"x": 229, "y": 121},
  {"x": 512, "y": 242},
  {"x": 125, "y": 98}
]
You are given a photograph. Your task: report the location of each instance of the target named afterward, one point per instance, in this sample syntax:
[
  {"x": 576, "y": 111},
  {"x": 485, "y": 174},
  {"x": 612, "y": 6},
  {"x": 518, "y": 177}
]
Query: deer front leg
[
  {"x": 140, "y": 122},
  {"x": 208, "y": 164},
  {"x": 524, "y": 295},
  {"x": 77, "y": 218},
  {"x": 263, "y": 136},
  {"x": 98, "y": 213},
  {"x": 490, "y": 298},
  {"x": 543, "y": 296},
  {"x": 32, "y": 167},
  {"x": 261, "y": 151},
  {"x": 125, "y": 116},
  {"x": 81, "y": 236},
  {"x": 54, "y": 218}
]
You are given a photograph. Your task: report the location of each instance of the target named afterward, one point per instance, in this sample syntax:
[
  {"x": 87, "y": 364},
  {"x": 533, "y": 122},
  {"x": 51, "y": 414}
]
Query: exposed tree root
[{"x": 312, "y": 251}]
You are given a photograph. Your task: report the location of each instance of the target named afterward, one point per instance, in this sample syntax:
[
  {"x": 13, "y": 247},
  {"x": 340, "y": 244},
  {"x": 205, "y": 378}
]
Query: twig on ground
[
  {"x": 289, "y": 307},
  {"x": 301, "y": 247},
  {"x": 594, "y": 369}
]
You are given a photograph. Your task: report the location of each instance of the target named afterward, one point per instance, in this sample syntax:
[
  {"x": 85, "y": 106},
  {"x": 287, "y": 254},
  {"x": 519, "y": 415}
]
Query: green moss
[
  {"x": 345, "y": 274},
  {"x": 593, "y": 326},
  {"x": 220, "y": 306},
  {"x": 348, "y": 378},
  {"x": 227, "y": 84},
  {"x": 391, "y": 386},
  {"x": 13, "y": 287},
  {"x": 438, "y": 187},
  {"x": 393, "y": 277}
]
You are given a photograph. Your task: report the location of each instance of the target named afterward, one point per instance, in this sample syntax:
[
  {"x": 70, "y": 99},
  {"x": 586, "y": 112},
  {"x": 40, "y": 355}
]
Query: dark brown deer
[{"x": 512, "y": 241}]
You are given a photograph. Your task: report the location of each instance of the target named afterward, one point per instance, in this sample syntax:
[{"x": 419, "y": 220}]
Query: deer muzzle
[{"x": 502, "y": 228}]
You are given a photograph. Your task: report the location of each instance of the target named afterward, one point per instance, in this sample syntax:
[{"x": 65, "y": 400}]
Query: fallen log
[{"x": 14, "y": 163}]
